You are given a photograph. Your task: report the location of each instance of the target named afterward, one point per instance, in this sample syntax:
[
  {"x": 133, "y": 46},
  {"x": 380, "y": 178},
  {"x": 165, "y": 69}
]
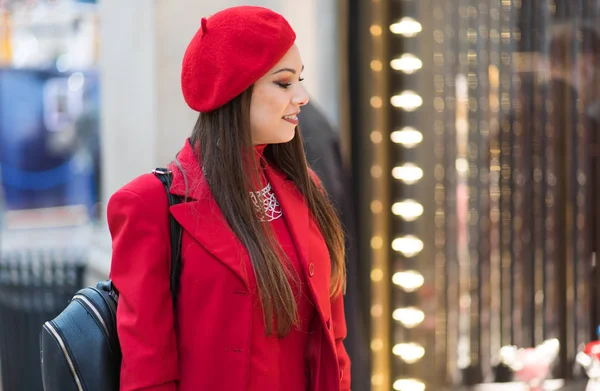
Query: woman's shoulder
[
  {"x": 146, "y": 189},
  {"x": 145, "y": 185}
]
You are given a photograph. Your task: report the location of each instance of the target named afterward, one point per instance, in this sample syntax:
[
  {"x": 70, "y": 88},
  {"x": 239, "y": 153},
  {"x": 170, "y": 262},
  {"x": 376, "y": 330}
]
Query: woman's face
[{"x": 276, "y": 101}]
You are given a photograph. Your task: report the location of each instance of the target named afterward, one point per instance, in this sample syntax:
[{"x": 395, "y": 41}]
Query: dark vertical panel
[
  {"x": 506, "y": 120},
  {"x": 519, "y": 224},
  {"x": 359, "y": 119},
  {"x": 495, "y": 175},
  {"x": 594, "y": 205},
  {"x": 479, "y": 28},
  {"x": 527, "y": 117},
  {"x": 581, "y": 201}
]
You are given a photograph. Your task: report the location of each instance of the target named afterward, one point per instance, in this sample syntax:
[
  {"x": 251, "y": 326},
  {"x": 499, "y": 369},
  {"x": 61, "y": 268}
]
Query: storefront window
[{"x": 49, "y": 113}]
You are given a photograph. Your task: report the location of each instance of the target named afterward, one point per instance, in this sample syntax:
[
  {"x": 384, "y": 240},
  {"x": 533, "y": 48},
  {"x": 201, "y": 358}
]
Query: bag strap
[{"x": 175, "y": 232}]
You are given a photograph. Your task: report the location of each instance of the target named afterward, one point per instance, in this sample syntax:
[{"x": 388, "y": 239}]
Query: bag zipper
[
  {"x": 50, "y": 328},
  {"x": 94, "y": 310}
]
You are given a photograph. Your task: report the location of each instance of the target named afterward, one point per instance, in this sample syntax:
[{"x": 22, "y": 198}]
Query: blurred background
[{"x": 459, "y": 140}]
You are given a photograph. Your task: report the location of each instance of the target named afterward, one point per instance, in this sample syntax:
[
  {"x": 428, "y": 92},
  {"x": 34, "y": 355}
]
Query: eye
[
  {"x": 301, "y": 79},
  {"x": 283, "y": 85}
]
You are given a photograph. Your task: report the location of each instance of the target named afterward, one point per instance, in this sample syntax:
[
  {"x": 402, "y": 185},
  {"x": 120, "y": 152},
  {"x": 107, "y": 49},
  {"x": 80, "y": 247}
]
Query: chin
[{"x": 284, "y": 137}]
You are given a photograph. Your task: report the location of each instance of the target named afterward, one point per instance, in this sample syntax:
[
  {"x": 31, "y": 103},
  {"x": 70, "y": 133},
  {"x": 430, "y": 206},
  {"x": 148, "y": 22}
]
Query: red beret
[{"x": 231, "y": 51}]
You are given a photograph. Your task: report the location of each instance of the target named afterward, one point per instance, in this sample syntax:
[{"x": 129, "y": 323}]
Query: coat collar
[{"x": 193, "y": 184}]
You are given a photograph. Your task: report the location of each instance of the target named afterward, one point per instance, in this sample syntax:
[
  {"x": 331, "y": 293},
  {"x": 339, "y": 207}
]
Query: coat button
[{"x": 311, "y": 269}]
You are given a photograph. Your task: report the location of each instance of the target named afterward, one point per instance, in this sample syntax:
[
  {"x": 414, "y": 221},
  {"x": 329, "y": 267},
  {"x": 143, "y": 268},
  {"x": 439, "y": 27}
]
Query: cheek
[
  {"x": 266, "y": 112},
  {"x": 260, "y": 118}
]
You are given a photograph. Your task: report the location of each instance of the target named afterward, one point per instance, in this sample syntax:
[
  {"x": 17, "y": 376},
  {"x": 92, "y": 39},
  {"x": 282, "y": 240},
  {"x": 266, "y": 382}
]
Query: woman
[{"x": 260, "y": 304}]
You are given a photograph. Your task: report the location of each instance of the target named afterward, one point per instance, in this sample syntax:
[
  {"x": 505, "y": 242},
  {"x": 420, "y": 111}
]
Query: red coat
[{"x": 214, "y": 309}]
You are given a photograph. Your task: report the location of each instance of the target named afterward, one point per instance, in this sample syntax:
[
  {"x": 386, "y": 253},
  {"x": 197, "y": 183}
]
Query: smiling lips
[{"x": 292, "y": 119}]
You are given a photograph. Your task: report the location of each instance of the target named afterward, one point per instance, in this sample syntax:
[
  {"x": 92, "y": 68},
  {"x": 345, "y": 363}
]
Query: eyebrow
[{"x": 287, "y": 70}]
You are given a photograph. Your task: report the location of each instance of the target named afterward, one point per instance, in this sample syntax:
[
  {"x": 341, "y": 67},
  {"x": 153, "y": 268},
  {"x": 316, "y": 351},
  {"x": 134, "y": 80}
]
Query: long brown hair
[{"x": 226, "y": 153}]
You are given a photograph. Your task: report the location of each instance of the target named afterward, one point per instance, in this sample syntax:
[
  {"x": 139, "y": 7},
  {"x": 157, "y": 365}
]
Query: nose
[{"x": 301, "y": 98}]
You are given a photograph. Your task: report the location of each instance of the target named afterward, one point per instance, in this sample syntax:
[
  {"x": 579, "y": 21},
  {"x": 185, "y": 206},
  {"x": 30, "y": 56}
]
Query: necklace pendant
[{"x": 266, "y": 204}]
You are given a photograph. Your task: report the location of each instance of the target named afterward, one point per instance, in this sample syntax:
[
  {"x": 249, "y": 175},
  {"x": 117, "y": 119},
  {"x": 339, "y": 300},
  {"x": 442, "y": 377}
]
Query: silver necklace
[{"x": 270, "y": 205}]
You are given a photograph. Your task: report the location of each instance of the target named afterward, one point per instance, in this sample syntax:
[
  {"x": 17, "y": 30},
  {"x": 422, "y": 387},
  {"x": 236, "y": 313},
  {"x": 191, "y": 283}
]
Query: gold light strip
[
  {"x": 380, "y": 205},
  {"x": 414, "y": 341}
]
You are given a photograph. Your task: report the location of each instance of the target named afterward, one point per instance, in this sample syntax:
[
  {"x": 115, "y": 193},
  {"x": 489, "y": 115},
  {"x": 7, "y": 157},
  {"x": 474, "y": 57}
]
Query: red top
[{"x": 280, "y": 363}]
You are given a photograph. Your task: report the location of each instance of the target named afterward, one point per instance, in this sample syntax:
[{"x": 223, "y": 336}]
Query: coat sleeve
[{"x": 140, "y": 271}]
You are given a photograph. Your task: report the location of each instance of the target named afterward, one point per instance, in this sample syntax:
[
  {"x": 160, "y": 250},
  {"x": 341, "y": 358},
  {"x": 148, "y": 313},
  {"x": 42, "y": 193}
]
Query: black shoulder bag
[{"x": 79, "y": 349}]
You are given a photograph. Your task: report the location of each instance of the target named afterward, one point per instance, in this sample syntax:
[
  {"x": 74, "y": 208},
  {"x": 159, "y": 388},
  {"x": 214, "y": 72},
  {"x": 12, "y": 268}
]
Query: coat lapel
[{"x": 202, "y": 219}]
